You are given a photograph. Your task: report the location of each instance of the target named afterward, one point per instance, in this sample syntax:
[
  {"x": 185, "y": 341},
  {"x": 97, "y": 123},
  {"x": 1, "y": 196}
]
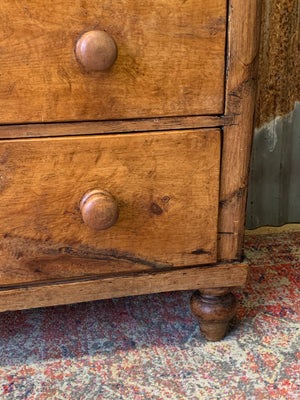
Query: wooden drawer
[
  {"x": 171, "y": 60},
  {"x": 165, "y": 186}
]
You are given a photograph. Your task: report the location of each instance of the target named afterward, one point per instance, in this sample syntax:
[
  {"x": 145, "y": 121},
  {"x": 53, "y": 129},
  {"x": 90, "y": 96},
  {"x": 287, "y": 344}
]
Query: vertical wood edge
[{"x": 242, "y": 62}]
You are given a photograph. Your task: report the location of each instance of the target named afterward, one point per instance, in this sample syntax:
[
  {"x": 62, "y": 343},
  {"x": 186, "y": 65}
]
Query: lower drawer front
[{"x": 165, "y": 186}]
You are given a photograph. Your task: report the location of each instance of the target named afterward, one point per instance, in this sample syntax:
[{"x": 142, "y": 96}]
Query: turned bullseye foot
[{"x": 214, "y": 308}]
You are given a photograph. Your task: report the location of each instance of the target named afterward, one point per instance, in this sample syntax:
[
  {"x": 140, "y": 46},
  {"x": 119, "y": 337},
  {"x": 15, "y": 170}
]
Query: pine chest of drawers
[{"x": 125, "y": 139}]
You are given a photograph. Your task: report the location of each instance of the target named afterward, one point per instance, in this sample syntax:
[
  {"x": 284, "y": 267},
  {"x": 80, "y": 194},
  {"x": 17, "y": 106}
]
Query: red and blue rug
[{"x": 149, "y": 347}]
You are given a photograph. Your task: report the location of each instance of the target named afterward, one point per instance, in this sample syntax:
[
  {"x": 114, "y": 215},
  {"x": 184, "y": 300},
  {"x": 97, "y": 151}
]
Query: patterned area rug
[{"x": 149, "y": 347}]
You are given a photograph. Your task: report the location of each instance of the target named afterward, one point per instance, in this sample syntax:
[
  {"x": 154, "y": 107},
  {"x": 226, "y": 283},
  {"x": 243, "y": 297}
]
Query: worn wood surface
[
  {"x": 170, "y": 60},
  {"x": 165, "y": 186},
  {"x": 118, "y": 286},
  {"x": 214, "y": 308},
  {"x": 100, "y": 127},
  {"x": 170, "y": 70},
  {"x": 243, "y": 45}
]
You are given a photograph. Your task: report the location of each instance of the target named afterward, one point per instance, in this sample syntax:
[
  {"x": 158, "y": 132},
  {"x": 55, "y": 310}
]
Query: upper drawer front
[
  {"x": 170, "y": 61},
  {"x": 165, "y": 186}
]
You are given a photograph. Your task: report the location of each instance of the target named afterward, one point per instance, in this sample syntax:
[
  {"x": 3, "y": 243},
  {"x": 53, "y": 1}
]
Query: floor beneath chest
[{"x": 149, "y": 347}]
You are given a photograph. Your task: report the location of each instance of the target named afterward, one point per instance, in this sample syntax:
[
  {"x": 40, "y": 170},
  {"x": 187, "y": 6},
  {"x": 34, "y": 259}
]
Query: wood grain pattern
[
  {"x": 117, "y": 126},
  {"x": 170, "y": 60},
  {"x": 119, "y": 286},
  {"x": 170, "y": 69},
  {"x": 165, "y": 185},
  {"x": 244, "y": 27}
]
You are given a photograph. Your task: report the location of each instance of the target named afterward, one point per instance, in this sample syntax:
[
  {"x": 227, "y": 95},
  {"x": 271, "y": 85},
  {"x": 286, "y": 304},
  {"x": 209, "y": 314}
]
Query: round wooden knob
[
  {"x": 98, "y": 209},
  {"x": 96, "y": 50}
]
